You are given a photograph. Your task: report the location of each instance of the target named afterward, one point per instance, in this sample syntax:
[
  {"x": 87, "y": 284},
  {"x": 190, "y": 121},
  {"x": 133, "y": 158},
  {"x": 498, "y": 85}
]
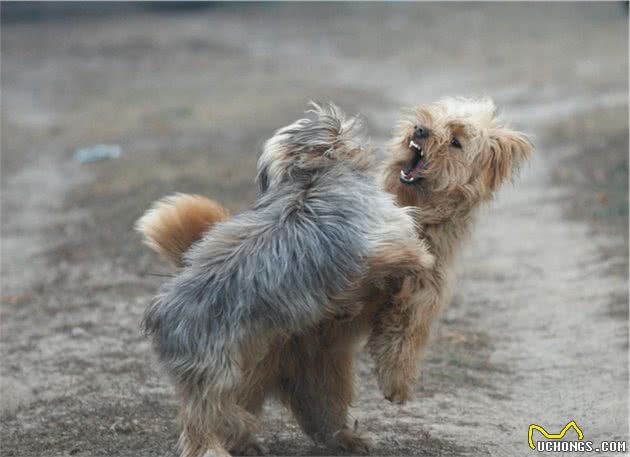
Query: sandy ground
[{"x": 538, "y": 330}]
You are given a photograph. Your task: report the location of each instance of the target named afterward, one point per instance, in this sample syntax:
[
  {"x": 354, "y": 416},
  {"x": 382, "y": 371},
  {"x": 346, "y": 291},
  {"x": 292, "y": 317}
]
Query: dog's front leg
[{"x": 399, "y": 335}]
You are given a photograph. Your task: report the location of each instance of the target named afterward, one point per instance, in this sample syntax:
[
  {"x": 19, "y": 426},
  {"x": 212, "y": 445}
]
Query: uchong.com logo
[{"x": 554, "y": 441}]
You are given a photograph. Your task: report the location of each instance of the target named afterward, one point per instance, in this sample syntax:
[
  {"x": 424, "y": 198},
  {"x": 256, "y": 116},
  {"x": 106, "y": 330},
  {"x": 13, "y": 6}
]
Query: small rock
[
  {"x": 97, "y": 153},
  {"x": 77, "y": 332}
]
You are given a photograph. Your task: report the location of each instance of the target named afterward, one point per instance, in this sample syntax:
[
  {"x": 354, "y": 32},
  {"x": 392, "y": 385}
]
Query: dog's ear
[{"x": 506, "y": 151}]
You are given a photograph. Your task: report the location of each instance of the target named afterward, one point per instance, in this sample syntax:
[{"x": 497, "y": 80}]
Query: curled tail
[{"x": 175, "y": 222}]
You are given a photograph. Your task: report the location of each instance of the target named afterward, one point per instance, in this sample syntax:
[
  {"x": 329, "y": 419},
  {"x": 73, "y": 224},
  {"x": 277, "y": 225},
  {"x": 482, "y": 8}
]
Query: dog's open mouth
[{"x": 412, "y": 170}]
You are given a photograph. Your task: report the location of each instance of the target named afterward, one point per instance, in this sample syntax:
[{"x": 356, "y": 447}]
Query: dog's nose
[{"x": 420, "y": 132}]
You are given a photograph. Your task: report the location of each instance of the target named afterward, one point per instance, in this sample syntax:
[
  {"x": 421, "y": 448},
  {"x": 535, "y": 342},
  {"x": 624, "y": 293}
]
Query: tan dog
[{"x": 445, "y": 160}]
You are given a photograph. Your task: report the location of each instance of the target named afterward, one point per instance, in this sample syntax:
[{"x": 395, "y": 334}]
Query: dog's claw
[{"x": 350, "y": 441}]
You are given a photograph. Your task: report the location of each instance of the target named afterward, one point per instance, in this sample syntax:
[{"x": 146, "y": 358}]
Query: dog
[
  {"x": 446, "y": 159},
  {"x": 244, "y": 316}
]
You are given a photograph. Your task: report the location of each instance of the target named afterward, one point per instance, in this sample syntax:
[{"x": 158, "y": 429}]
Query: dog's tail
[{"x": 174, "y": 223}]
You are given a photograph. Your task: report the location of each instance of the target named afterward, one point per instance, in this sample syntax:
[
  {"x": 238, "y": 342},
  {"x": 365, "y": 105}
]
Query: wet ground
[{"x": 538, "y": 330}]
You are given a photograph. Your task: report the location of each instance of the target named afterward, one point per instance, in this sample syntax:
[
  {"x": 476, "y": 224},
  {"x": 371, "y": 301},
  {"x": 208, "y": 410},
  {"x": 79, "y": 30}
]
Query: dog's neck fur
[
  {"x": 444, "y": 218},
  {"x": 446, "y": 237}
]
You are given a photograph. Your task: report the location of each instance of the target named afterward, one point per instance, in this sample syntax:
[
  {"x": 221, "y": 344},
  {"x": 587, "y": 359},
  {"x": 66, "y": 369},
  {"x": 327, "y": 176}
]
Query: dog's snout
[{"x": 420, "y": 133}]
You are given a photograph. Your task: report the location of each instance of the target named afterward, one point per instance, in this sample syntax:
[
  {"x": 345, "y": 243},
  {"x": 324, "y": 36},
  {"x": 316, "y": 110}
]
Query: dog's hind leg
[
  {"x": 196, "y": 440},
  {"x": 211, "y": 421},
  {"x": 247, "y": 443},
  {"x": 261, "y": 381},
  {"x": 316, "y": 383}
]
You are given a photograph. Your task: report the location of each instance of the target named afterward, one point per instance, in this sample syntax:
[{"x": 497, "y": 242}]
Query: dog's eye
[{"x": 455, "y": 143}]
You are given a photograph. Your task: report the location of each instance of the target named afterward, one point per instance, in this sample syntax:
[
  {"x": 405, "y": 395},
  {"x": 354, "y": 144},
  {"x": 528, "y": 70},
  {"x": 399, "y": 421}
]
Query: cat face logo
[{"x": 552, "y": 436}]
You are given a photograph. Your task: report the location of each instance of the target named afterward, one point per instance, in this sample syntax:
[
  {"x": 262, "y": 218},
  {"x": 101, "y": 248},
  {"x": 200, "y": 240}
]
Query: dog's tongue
[{"x": 414, "y": 165}]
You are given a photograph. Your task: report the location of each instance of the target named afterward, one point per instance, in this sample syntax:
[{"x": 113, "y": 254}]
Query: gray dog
[{"x": 320, "y": 230}]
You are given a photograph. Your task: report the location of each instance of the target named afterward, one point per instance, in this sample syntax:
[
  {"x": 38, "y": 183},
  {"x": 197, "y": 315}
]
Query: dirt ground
[{"x": 538, "y": 330}]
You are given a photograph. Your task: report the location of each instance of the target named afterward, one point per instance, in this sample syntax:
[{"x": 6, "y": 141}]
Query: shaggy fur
[
  {"x": 446, "y": 160},
  {"x": 230, "y": 327}
]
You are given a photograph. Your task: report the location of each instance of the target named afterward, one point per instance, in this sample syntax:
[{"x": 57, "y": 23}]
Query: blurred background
[{"x": 180, "y": 98}]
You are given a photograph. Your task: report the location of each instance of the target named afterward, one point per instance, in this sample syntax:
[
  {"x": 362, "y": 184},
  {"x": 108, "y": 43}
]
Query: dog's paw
[
  {"x": 350, "y": 441},
  {"x": 399, "y": 394}
]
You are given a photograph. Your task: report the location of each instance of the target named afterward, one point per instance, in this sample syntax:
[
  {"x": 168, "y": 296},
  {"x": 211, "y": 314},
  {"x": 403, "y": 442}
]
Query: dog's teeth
[
  {"x": 415, "y": 146},
  {"x": 403, "y": 177}
]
